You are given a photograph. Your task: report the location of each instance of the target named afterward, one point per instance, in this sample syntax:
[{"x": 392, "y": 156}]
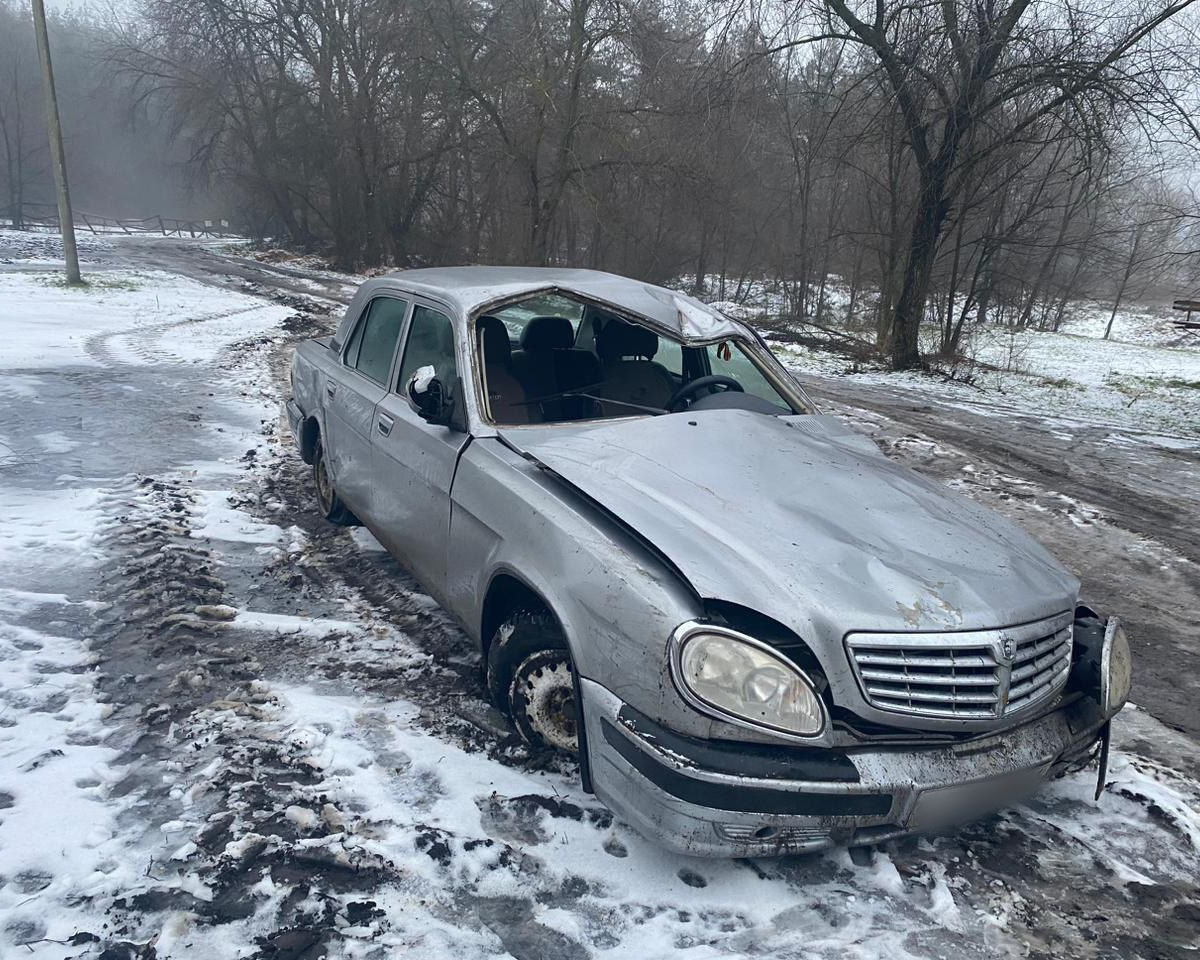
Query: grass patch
[
  {"x": 1129, "y": 382},
  {"x": 1058, "y": 383},
  {"x": 92, "y": 283}
]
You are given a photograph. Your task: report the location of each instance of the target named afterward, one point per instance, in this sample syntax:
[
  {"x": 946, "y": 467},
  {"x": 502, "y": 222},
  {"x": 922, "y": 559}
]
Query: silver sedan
[{"x": 757, "y": 634}]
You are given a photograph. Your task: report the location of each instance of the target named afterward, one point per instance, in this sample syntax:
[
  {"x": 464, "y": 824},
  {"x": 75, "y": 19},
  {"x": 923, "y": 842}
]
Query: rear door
[
  {"x": 414, "y": 461},
  {"x": 351, "y": 398}
]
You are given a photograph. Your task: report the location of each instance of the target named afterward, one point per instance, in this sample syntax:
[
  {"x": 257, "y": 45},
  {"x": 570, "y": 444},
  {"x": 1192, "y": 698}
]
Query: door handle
[
  {"x": 385, "y": 424},
  {"x": 330, "y": 389}
]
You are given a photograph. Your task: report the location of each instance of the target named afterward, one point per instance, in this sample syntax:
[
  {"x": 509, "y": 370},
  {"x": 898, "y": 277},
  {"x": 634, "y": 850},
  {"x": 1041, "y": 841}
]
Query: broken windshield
[{"x": 555, "y": 359}]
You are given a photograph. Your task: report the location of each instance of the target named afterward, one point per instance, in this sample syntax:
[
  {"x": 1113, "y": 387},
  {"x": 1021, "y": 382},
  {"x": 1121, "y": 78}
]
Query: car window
[
  {"x": 430, "y": 343},
  {"x": 670, "y": 355},
  {"x": 585, "y": 362},
  {"x": 374, "y": 342},
  {"x": 728, "y": 359},
  {"x": 350, "y": 357}
]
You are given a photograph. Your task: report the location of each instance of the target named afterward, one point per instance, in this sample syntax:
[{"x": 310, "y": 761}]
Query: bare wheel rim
[
  {"x": 547, "y": 700},
  {"x": 324, "y": 485}
]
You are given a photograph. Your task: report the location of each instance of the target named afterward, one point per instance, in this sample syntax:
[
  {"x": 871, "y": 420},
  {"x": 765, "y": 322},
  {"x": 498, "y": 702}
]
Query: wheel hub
[{"x": 550, "y": 705}]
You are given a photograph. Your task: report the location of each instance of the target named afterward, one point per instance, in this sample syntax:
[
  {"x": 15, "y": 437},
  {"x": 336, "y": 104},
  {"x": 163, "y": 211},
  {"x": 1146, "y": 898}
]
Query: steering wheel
[{"x": 690, "y": 389}]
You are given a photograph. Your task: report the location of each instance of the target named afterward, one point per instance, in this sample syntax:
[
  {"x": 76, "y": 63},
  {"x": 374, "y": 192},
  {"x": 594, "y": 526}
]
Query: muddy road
[{"x": 268, "y": 742}]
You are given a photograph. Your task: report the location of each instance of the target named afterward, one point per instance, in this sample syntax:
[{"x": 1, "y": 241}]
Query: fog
[
  {"x": 953, "y": 163},
  {"x": 121, "y": 159}
]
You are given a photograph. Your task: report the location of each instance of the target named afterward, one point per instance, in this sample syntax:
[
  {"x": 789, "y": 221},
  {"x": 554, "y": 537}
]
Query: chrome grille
[{"x": 965, "y": 675}]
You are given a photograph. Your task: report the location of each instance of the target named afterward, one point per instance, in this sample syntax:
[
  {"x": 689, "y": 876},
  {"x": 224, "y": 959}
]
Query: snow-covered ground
[
  {"x": 1146, "y": 376},
  {"x": 44, "y": 246},
  {"x": 228, "y": 730}
]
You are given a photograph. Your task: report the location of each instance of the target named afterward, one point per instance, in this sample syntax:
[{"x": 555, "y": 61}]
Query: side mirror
[{"x": 428, "y": 396}]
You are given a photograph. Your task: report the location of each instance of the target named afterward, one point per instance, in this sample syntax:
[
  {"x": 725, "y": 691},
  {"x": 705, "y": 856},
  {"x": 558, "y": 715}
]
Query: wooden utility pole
[{"x": 66, "y": 220}]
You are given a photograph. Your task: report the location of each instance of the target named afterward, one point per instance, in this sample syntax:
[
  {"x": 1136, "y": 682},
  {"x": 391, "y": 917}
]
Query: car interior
[{"x": 553, "y": 359}]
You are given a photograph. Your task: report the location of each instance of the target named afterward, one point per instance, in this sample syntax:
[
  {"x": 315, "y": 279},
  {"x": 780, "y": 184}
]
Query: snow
[
  {"x": 122, "y": 317},
  {"x": 1064, "y": 379},
  {"x": 1146, "y": 376},
  {"x": 285, "y": 624},
  {"x": 60, "y": 836},
  {"x": 43, "y": 246},
  {"x": 46, "y": 530},
  {"x": 56, "y": 442},
  {"x": 319, "y": 755},
  {"x": 219, "y": 521}
]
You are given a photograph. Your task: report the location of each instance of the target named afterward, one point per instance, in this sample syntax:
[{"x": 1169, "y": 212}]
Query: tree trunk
[
  {"x": 948, "y": 326},
  {"x": 929, "y": 218},
  {"x": 701, "y": 266},
  {"x": 1129, "y": 265}
]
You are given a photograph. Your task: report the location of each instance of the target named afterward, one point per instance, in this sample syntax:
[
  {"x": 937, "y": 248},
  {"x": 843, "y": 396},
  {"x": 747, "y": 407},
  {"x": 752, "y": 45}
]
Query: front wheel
[
  {"x": 532, "y": 678},
  {"x": 328, "y": 502}
]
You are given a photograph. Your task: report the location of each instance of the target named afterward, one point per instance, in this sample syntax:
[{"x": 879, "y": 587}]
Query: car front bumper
[{"x": 709, "y": 799}]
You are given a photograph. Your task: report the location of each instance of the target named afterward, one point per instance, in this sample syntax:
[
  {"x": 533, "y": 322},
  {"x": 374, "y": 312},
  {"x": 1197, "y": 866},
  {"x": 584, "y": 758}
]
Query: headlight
[
  {"x": 735, "y": 676},
  {"x": 1116, "y": 668}
]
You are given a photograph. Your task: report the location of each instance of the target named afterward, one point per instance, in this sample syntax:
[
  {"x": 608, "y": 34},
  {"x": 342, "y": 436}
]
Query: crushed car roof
[{"x": 470, "y": 288}]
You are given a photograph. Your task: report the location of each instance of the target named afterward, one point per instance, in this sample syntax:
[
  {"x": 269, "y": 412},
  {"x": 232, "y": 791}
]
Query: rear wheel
[
  {"x": 328, "y": 502},
  {"x": 532, "y": 678}
]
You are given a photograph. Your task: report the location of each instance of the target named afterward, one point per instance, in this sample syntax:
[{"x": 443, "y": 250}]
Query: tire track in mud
[
  {"x": 218, "y": 764},
  {"x": 255, "y": 839},
  {"x": 210, "y": 765}
]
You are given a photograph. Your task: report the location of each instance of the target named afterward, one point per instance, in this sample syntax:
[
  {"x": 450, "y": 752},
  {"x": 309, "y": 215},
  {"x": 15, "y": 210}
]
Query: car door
[
  {"x": 414, "y": 461},
  {"x": 350, "y": 400}
]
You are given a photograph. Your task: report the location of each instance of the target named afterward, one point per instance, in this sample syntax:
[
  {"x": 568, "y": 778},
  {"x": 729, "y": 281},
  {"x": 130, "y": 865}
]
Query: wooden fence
[{"x": 46, "y": 215}]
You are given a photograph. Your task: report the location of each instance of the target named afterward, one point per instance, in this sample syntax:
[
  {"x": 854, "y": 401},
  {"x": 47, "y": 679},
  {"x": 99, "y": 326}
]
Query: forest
[{"x": 941, "y": 163}]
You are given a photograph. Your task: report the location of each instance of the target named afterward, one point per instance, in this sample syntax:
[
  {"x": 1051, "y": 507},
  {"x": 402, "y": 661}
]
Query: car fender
[
  {"x": 616, "y": 603},
  {"x": 615, "y": 599}
]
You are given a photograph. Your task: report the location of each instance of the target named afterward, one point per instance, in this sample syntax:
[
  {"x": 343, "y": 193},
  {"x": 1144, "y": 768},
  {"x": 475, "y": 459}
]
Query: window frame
[
  {"x": 360, "y": 326},
  {"x": 756, "y": 352}
]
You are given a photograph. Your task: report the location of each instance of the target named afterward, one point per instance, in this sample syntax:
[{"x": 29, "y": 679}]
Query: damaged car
[{"x": 757, "y": 634}]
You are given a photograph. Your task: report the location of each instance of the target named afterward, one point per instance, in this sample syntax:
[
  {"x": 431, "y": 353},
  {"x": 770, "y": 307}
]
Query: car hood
[{"x": 805, "y": 521}]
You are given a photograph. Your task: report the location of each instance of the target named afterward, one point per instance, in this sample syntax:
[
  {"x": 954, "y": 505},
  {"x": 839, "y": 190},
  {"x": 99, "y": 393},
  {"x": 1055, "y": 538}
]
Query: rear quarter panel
[{"x": 312, "y": 363}]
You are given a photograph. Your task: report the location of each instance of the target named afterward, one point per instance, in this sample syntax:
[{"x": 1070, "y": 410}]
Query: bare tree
[
  {"x": 945, "y": 163},
  {"x": 957, "y": 69}
]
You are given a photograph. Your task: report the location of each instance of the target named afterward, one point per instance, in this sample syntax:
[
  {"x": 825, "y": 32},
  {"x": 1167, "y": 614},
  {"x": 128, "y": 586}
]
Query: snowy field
[
  {"x": 1072, "y": 376},
  {"x": 228, "y": 730},
  {"x": 35, "y": 246},
  {"x": 1146, "y": 376}
]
